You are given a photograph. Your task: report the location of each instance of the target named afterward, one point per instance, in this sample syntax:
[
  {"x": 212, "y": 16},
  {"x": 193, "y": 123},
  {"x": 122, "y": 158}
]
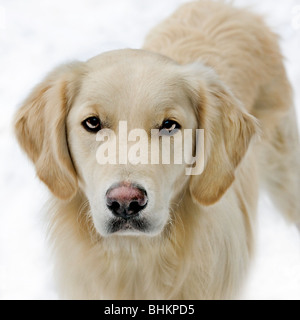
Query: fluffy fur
[{"x": 211, "y": 66}]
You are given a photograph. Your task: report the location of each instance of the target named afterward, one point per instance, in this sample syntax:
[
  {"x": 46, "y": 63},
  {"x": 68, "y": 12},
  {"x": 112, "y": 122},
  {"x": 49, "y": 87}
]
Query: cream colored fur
[{"x": 210, "y": 66}]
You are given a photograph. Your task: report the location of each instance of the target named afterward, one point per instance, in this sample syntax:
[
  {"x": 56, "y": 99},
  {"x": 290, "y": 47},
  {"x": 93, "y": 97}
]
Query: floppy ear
[
  {"x": 228, "y": 131},
  {"x": 40, "y": 127}
]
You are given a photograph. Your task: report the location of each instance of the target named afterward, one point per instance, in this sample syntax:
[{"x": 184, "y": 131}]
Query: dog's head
[{"x": 73, "y": 118}]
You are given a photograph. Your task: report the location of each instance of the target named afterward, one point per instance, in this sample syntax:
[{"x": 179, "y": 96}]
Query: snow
[{"x": 37, "y": 35}]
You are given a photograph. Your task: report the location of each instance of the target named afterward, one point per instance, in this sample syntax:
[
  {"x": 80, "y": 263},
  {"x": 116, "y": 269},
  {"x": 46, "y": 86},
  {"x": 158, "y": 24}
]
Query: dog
[{"x": 149, "y": 230}]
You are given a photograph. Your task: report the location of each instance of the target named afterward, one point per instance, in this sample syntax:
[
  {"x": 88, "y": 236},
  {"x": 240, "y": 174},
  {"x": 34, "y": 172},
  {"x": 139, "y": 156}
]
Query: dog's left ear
[
  {"x": 40, "y": 127},
  {"x": 228, "y": 131}
]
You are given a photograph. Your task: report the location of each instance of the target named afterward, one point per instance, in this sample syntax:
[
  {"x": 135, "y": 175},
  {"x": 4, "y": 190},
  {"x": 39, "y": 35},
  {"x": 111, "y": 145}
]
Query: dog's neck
[{"x": 164, "y": 254}]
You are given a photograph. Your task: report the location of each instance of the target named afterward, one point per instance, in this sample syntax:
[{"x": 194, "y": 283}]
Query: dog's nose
[{"x": 126, "y": 200}]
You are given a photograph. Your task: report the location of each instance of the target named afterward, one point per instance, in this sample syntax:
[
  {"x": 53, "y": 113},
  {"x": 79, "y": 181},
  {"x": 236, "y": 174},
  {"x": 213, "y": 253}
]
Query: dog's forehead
[
  {"x": 129, "y": 56},
  {"x": 129, "y": 72},
  {"x": 132, "y": 78}
]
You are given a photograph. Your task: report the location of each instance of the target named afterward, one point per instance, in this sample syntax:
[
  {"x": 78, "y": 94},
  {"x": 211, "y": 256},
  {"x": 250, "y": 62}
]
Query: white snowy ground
[{"x": 37, "y": 35}]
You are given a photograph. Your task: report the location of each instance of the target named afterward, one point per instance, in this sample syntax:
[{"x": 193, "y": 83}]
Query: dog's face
[
  {"x": 145, "y": 92},
  {"x": 61, "y": 123}
]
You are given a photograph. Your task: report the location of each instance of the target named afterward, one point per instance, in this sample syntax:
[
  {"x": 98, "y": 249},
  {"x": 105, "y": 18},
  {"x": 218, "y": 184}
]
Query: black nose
[{"x": 126, "y": 200}]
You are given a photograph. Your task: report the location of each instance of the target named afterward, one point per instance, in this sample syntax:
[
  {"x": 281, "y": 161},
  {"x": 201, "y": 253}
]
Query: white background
[{"x": 37, "y": 35}]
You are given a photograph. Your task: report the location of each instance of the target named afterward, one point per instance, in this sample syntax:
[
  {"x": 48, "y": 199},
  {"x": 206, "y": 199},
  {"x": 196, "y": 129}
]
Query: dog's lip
[
  {"x": 135, "y": 224},
  {"x": 127, "y": 226}
]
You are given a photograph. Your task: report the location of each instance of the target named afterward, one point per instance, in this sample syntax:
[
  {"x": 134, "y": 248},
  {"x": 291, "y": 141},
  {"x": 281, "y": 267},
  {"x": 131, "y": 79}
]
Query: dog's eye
[
  {"x": 92, "y": 124},
  {"x": 169, "y": 127}
]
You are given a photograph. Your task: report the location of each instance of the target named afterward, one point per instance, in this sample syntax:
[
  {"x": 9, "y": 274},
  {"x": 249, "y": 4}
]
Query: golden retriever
[{"x": 151, "y": 231}]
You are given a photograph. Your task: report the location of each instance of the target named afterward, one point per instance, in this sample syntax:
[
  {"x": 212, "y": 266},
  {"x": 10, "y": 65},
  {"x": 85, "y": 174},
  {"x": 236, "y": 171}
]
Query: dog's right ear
[{"x": 40, "y": 127}]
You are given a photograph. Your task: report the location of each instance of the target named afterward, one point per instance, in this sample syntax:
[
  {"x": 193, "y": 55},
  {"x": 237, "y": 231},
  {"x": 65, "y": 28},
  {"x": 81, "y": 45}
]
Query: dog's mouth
[{"x": 133, "y": 225}]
